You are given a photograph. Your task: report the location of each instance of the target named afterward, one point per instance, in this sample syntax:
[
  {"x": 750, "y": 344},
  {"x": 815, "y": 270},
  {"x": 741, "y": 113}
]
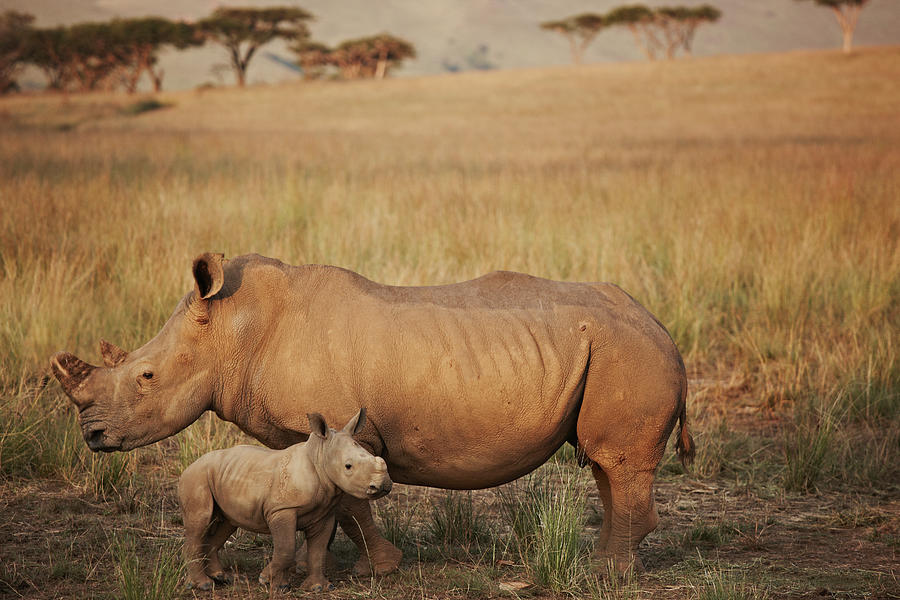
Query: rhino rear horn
[
  {"x": 71, "y": 372},
  {"x": 112, "y": 355}
]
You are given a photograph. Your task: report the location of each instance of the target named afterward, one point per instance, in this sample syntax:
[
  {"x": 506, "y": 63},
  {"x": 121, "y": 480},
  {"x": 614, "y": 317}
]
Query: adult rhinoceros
[{"x": 467, "y": 385}]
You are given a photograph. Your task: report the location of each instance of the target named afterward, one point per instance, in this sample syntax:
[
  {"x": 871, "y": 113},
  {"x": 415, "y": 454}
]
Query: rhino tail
[{"x": 684, "y": 445}]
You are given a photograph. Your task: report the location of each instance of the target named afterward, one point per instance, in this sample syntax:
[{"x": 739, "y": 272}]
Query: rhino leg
[
  {"x": 317, "y": 537},
  {"x": 625, "y": 420},
  {"x": 197, "y": 510},
  {"x": 302, "y": 559},
  {"x": 606, "y": 498},
  {"x": 216, "y": 538},
  {"x": 283, "y": 527},
  {"x": 377, "y": 555}
]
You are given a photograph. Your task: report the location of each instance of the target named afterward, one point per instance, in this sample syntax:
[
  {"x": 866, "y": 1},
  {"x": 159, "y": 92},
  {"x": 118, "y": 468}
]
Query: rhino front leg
[
  {"x": 317, "y": 537},
  {"x": 377, "y": 555},
  {"x": 283, "y": 527}
]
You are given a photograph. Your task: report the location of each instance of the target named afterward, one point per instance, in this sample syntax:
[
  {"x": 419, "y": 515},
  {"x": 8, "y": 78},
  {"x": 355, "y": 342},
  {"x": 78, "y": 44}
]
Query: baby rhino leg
[
  {"x": 219, "y": 532},
  {"x": 283, "y": 527},
  {"x": 197, "y": 509},
  {"x": 317, "y": 536}
]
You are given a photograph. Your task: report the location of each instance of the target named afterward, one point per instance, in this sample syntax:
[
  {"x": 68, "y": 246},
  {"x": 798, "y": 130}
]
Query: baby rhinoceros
[{"x": 277, "y": 492}]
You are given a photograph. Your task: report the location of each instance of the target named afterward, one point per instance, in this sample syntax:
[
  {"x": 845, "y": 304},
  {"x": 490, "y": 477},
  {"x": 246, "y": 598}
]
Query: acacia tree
[
  {"x": 579, "y": 30},
  {"x": 47, "y": 50},
  {"x": 389, "y": 51},
  {"x": 640, "y": 21},
  {"x": 139, "y": 42},
  {"x": 93, "y": 51},
  {"x": 664, "y": 30},
  {"x": 313, "y": 57},
  {"x": 679, "y": 25},
  {"x": 243, "y": 30},
  {"x": 847, "y": 14},
  {"x": 371, "y": 56},
  {"x": 14, "y": 30}
]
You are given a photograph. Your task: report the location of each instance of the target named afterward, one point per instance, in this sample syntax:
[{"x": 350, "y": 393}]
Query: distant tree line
[
  {"x": 664, "y": 31},
  {"x": 116, "y": 54},
  {"x": 657, "y": 32}
]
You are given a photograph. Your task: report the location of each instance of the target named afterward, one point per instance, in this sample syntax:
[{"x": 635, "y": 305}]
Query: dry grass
[{"x": 749, "y": 202}]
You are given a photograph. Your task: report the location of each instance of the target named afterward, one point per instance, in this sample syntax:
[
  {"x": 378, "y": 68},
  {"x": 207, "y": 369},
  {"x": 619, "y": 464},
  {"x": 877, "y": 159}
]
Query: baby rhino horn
[{"x": 112, "y": 355}]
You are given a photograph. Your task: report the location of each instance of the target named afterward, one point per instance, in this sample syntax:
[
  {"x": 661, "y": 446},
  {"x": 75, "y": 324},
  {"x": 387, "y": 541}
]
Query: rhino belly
[{"x": 471, "y": 403}]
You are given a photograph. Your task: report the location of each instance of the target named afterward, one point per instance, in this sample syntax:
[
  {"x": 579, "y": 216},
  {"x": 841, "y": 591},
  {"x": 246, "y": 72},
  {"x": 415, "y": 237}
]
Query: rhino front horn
[{"x": 71, "y": 372}]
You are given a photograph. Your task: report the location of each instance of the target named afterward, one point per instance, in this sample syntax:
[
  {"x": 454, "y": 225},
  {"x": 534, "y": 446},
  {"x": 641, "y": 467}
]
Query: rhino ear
[
  {"x": 208, "y": 274},
  {"x": 317, "y": 425},
  {"x": 356, "y": 424},
  {"x": 112, "y": 355}
]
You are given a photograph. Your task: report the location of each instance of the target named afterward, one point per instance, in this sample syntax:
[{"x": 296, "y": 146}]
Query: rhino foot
[
  {"x": 611, "y": 565},
  {"x": 316, "y": 585},
  {"x": 386, "y": 559},
  {"x": 222, "y": 577},
  {"x": 204, "y": 586}
]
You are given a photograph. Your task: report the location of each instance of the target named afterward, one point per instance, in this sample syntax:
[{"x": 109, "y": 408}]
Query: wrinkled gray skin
[
  {"x": 277, "y": 492},
  {"x": 467, "y": 385}
]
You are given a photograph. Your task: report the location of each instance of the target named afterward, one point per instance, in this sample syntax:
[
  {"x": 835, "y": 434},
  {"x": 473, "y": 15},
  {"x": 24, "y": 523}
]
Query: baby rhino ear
[
  {"x": 317, "y": 425},
  {"x": 356, "y": 424}
]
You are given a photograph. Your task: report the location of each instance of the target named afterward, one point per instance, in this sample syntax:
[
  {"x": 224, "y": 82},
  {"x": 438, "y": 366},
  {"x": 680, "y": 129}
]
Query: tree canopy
[
  {"x": 243, "y": 30},
  {"x": 579, "y": 30},
  {"x": 368, "y": 57},
  {"x": 14, "y": 30},
  {"x": 663, "y": 30},
  {"x": 140, "y": 41},
  {"x": 847, "y": 14}
]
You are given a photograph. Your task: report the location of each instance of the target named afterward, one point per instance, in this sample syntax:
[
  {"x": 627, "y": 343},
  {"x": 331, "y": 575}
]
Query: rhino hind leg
[
  {"x": 629, "y": 515},
  {"x": 219, "y": 532},
  {"x": 623, "y": 425}
]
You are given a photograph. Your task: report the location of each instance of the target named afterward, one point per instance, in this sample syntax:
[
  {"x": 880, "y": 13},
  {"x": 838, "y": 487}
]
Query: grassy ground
[{"x": 749, "y": 202}]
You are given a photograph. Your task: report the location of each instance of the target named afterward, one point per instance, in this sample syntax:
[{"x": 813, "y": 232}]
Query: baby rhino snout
[{"x": 380, "y": 483}]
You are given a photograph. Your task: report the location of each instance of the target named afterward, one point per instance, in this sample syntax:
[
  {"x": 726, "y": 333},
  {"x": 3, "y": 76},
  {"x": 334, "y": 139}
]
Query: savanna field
[{"x": 751, "y": 203}]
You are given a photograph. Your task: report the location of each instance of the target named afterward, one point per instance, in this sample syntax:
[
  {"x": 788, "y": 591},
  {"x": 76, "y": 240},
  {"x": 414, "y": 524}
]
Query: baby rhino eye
[
  {"x": 348, "y": 466},
  {"x": 147, "y": 375}
]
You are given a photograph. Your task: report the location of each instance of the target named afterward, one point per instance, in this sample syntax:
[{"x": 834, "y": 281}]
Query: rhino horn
[
  {"x": 71, "y": 372},
  {"x": 112, "y": 355}
]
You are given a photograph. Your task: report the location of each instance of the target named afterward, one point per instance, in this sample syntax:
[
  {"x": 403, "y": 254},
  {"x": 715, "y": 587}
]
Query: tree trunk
[
  {"x": 381, "y": 68},
  {"x": 576, "y": 51},
  {"x": 848, "y": 41},
  {"x": 157, "y": 78},
  {"x": 645, "y": 47},
  {"x": 847, "y": 21}
]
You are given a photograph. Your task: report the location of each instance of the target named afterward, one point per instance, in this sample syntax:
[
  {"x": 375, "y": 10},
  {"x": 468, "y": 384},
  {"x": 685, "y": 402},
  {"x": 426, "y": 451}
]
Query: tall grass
[
  {"x": 138, "y": 580},
  {"x": 455, "y": 521},
  {"x": 546, "y": 513},
  {"x": 756, "y": 217}
]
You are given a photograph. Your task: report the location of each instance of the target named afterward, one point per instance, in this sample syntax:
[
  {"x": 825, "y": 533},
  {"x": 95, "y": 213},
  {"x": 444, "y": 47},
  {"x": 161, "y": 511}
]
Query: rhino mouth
[{"x": 375, "y": 492}]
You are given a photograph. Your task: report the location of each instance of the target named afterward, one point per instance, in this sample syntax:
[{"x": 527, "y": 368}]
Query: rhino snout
[{"x": 377, "y": 491}]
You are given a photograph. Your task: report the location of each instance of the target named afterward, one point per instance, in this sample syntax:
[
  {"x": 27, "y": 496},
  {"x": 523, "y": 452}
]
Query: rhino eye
[
  {"x": 348, "y": 466},
  {"x": 147, "y": 375}
]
